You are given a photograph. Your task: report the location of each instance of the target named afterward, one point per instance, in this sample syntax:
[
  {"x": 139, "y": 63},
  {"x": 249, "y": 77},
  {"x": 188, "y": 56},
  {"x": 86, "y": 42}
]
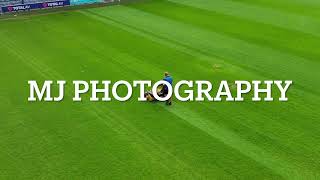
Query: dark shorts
[{"x": 165, "y": 90}]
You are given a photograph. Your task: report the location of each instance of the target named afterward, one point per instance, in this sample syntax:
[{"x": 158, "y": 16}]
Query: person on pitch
[{"x": 169, "y": 79}]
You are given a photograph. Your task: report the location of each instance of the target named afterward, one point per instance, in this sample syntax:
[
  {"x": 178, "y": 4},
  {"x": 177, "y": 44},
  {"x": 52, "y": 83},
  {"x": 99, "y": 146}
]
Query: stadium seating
[
  {"x": 9, "y": 2},
  {"x": 15, "y": 2},
  {"x": 34, "y": 1}
]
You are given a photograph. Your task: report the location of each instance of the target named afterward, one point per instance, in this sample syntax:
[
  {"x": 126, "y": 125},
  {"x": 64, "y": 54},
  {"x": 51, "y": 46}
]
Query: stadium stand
[
  {"x": 10, "y": 2},
  {"x": 15, "y": 2},
  {"x": 34, "y": 1}
]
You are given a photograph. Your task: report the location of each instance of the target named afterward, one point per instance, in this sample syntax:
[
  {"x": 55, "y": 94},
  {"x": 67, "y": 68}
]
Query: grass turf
[{"x": 246, "y": 39}]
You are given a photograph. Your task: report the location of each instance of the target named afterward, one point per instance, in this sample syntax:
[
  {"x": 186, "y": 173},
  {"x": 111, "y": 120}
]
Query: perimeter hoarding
[
  {"x": 79, "y": 2},
  {"x": 26, "y": 7}
]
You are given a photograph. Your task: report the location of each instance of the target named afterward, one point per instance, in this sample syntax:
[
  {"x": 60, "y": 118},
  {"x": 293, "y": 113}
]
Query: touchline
[{"x": 199, "y": 90}]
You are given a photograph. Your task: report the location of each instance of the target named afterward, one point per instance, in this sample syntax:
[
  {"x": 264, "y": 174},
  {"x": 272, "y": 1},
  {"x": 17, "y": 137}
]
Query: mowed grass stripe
[
  {"x": 163, "y": 5},
  {"x": 133, "y": 67},
  {"x": 217, "y": 75},
  {"x": 307, "y": 109},
  {"x": 265, "y": 61},
  {"x": 50, "y": 77},
  {"x": 291, "y": 41},
  {"x": 123, "y": 132},
  {"x": 191, "y": 121},
  {"x": 113, "y": 126},
  {"x": 260, "y": 14},
  {"x": 88, "y": 40},
  {"x": 307, "y": 8},
  {"x": 206, "y": 60},
  {"x": 283, "y": 165},
  {"x": 139, "y": 138}
]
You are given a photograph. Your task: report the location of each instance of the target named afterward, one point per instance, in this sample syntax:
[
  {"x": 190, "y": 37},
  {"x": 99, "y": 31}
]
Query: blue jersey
[{"x": 168, "y": 79}]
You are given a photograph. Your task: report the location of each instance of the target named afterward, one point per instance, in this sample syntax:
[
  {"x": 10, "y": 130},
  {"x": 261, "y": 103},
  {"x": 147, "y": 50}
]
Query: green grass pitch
[{"x": 193, "y": 39}]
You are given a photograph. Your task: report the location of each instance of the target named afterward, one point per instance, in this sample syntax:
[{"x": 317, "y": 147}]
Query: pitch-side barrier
[{"x": 48, "y": 4}]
